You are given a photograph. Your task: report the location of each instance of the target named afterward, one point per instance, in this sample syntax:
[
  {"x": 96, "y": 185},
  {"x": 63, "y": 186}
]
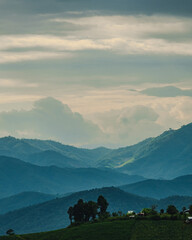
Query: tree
[
  {"x": 171, "y": 209},
  {"x": 70, "y": 212},
  {"x": 102, "y": 204},
  {"x": 10, "y": 232},
  {"x": 147, "y": 211},
  {"x": 162, "y": 211},
  {"x": 78, "y": 211},
  {"x": 92, "y": 206}
]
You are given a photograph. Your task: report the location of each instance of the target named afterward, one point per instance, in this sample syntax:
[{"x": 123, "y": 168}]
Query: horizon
[{"x": 93, "y": 147}]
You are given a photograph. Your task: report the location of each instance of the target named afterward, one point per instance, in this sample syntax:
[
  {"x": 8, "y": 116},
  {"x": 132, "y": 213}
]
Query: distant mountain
[
  {"x": 161, "y": 188},
  {"x": 22, "y": 200},
  {"x": 167, "y": 156},
  {"x": 53, "y": 214},
  {"x": 47, "y": 152},
  {"x": 17, "y": 176},
  {"x": 52, "y": 158}
]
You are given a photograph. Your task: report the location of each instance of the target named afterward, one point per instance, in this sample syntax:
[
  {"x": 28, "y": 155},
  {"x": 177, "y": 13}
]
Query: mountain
[
  {"x": 53, "y": 214},
  {"x": 161, "y": 188},
  {"x": 166, "y": 156},
  {"x": 52, "y": 158},
  {"x": 22, "y": 200},
  {"x": 17, "y": 176},
  {"x": 46, "y": 152}
]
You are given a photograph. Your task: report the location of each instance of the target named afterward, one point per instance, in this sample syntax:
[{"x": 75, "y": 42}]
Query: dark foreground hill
[
  {"x": 117, "y": 230},
  {"x": 17, "y": 176},
  {"x": 24, "y": 199},
  {"x": 161, "y": 188},
  {"x": 53, "y": 214}
]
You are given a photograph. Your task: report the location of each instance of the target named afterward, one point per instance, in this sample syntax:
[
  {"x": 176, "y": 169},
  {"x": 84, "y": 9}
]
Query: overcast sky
[{"x": 91, "y": 73}]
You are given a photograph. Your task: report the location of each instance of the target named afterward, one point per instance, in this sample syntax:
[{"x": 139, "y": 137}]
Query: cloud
[
  {"x": 125, "y": 35},
  {"x": 13, "y": 57},
  {"x": 167, "y": 91},
  {"x": 49, "y": 118},
  {"x": 129, "y": 125}
]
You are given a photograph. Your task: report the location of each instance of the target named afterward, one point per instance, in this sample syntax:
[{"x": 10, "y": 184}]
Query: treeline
[{"x": 88, "y": 211}]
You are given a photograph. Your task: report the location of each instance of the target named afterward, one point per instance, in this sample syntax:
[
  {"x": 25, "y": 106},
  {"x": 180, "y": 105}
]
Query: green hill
[
  {"x": 53, "y": 214},
  {"x": 117, "y": 230},
  {"x": 166, "y": 156}
]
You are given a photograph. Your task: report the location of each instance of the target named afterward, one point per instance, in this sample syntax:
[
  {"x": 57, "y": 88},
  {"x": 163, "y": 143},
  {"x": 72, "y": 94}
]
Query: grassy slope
[{"x": 117, "y": 230}]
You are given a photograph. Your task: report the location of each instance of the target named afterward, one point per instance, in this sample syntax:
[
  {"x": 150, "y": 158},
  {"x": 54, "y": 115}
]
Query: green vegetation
[{"x": 117, "y": 230}]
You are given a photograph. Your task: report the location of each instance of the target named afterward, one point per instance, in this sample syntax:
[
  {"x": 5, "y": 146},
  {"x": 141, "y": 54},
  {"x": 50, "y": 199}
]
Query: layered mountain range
[
  {"x": 166, "y": 156},
  {"x": 40, "y": 179}
]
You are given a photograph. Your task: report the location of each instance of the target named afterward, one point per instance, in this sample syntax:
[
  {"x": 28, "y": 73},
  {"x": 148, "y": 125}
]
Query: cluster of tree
[
  {"x": 171, "y": 213},
  {"x": 86, "y": 211}
]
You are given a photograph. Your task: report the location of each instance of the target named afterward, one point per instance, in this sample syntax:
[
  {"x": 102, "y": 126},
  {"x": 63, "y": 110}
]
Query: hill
[
  {"x": 52, "y": 158},
  {"x": 166, "y": 156},
  {"x": 22, "y": 200},
  {"x": 53, "y": 214},
  {"x": 17, "y": 176},
  {"x": 117, "y": 230},
  {"x": 39, "y": 151},
  {"x": 161, "y": 188}
]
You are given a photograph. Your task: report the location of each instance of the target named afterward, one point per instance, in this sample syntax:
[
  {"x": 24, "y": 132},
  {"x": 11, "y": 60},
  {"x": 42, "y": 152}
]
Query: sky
[{"x": 95, "y": 73}]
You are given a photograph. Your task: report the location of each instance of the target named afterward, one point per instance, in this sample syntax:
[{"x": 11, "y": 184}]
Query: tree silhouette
[
  {"x": 70, "y": 212},
  {"x": 86, "y": 211},
  {"x": 102, "y": 204},
  {"x": 171, "y": 209}
]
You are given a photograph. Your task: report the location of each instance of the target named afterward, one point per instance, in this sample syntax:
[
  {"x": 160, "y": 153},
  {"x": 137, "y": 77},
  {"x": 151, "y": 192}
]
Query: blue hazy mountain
[
  {"x": 47, "y": 152},
  {"x": 166, "y": 156},
  {"x": 17, "y": 176},
  {"x": 22, "y": 200},
  {"x": 161, "y": 188}
]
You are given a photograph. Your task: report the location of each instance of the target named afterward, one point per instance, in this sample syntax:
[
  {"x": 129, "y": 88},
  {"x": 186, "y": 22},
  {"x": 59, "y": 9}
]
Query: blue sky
[{"x": 93, "y": 73}]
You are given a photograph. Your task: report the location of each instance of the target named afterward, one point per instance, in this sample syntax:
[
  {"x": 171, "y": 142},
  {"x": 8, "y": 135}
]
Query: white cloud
[
  {"x": 14, "y": 83},
  {"x": 121, "y": 34},
  {"x": 129, "y": 125},
  {"x": 11, "y": 57},
  {"x": 50, "y": 118}
]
